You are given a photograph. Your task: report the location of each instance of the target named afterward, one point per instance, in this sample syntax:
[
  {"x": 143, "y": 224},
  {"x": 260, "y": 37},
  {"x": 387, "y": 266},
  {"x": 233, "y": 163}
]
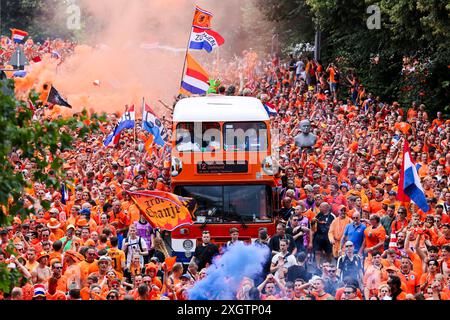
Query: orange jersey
[
  {"x": 410, "y": 280},
  {"x": 375, "y": 236}
]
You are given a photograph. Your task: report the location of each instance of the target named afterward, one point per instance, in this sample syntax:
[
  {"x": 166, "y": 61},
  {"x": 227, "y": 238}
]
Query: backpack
[{"x": 139, "y": 242}]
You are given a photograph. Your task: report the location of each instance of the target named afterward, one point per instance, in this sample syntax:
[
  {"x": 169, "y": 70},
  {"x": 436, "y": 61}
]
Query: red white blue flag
[
  {"x": 206, "y": 39},
  {"x": 126, "y": 122},
  {"x": 409, "y": 187},
  {"x": 18, "y": 35}
]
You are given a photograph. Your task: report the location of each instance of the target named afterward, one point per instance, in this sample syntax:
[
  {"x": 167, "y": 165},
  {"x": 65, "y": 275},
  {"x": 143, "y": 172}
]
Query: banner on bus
[{"x": 164, "y": 210}]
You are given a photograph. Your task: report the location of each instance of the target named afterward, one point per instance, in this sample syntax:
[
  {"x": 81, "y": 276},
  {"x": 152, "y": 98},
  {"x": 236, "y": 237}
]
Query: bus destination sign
[{"x": 222, "y": 167}]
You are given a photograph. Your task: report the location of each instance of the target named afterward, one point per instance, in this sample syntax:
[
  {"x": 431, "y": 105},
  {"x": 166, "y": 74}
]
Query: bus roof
[{"x": 219, "y": 108}]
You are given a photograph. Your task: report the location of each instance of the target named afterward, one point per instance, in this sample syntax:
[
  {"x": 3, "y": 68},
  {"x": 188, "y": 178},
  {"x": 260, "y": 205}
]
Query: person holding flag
[
  {"x": 153, "y": 125},
  {"x": 126, "y": 122},
  {"x": 410, "y": 187}
]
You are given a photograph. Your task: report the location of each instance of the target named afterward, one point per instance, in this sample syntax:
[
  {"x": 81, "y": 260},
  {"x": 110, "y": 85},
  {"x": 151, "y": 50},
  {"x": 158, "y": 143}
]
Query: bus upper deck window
[
  {"x": 245, "y": 136},
  {"x": 185, "y": 137}
]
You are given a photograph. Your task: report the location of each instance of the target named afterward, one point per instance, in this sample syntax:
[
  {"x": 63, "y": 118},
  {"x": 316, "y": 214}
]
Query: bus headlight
[
  {"x": 176, "y": 167},
  {"x": 267, "y": 166},
  {"x": 188, "y": 245}
]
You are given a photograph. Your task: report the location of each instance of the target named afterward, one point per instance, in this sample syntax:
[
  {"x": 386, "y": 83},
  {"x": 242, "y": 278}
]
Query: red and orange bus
[{"x": 222, "y": 157}]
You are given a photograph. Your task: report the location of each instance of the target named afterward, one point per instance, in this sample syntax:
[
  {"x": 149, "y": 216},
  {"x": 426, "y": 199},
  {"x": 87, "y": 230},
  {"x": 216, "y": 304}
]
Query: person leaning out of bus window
[
  {"x": 205, "y": 252},
  {"x": 234, "y": 234}
]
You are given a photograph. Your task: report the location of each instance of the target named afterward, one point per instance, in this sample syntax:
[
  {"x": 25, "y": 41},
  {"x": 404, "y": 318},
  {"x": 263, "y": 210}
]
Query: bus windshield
[{"x": 230, "y": 203}]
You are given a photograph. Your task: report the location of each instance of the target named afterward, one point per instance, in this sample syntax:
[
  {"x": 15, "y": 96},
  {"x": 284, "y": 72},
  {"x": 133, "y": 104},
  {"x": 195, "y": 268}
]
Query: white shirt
[{"x": 289, "y": 260}]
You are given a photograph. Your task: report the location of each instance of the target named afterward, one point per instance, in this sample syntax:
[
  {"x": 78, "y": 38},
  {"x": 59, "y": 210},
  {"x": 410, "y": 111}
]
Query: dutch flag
[
  {"x": 196, "y": 79},
  {"x": 18, "y": 35},
  {"x": 205, "y": 39},
  {"x": 409, "y": 187},
  {"x": 126, "y": 122},
  {"x": 271, "y": 109}
]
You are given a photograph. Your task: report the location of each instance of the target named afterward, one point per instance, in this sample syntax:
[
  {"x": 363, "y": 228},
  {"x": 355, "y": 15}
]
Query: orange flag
[
  {"x": 148, "y": 145},
  {"x": 164, "y": 210},
  {"x": 170, "y": 261}
]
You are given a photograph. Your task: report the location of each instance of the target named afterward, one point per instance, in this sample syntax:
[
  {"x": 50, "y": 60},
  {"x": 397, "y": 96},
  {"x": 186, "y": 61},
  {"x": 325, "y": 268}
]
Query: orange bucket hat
[
  {"x": 82, "y": 223},
  {"x": 53, "y": 224}
]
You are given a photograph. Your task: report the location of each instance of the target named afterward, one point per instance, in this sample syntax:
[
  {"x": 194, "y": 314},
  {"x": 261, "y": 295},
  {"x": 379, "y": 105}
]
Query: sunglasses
[
  {"x": 349, "y": 246},
  {"x": 348, "y": 292}
]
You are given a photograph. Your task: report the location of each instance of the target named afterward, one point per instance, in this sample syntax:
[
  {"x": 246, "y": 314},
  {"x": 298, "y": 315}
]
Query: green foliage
[
  {"x": 37, "y": 142},
  {"x": 40, "y": 18},
  {"x": 294, "y": 21},
  {"x": 416, "y": 29}
]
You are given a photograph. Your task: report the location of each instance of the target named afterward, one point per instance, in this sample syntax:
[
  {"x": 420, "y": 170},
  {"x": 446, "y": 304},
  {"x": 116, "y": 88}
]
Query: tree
[
  {"x": 35, "y": 143},
  {"x": 293, "y": 18},
  {"x": 417, "y": 30},
  {"x": 41, "y": 19}
]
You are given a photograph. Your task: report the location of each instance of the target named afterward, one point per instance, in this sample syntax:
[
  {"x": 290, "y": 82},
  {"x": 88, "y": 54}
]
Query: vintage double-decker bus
[{"x": 221, "y": 157}]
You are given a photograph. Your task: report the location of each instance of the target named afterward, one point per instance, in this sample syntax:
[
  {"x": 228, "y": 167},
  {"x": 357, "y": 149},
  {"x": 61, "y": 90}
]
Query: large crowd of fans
[{"x": 341, "y": 233}]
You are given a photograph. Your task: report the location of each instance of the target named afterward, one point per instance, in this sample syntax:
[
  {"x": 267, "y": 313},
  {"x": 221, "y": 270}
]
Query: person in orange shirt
[
  {"x": 408, "y": 277},
  {"x": 427, "y": 278},
  {"x": 337, "y": 228},
  {"x": 376, "y": 204},
  {"x": 412, "y": 112},
  {"x": 390, "y": 259},
  {"x": 88, "y": 266},
  {"x": 374, "y": 235},
  {"x": 104, "y": 224},
  {"x": 117, "y": 256},
  {"x": 151, "y": 270},
  {"x": 120, "y": 219},
  {"x": 436, "y": 288},
  {"x": 92, "y": 291},
  {"x": 85, "y": 214},
  {"x": 427, "y": 187},
  {"x": 74, "y": 215},
  {"x": 438, "y": 121},
  {"x": 444, "y": 239},
  {"x": 54, "y": 226},
  {"x": 374, "y": 275},
  {"x": 318, "y": 285},
  {"x": 57, "y": 281}
]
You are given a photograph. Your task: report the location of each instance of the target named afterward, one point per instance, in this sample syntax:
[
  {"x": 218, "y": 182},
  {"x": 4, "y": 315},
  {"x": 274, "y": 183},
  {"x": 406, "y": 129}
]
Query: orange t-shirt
[
  {"x": 423, "y": 280},
  {"x": 442, "y": 241},
  {"x": 375, "y": 236},
  {"x": 375, "y": 206},
  {"x": 410, "y": 280},
  {"x": 417, "y": 264}
]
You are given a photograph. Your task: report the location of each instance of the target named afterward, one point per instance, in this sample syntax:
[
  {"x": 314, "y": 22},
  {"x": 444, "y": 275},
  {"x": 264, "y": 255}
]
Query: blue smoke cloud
[{"x": 228, "y": 270}]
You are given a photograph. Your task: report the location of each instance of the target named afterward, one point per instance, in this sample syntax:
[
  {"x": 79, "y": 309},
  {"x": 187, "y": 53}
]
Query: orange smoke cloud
[{"x": 132, "y": 53}]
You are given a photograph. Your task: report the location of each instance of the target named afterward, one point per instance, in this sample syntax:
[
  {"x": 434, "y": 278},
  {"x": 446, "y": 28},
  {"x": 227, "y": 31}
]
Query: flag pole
[
  {"x": 187, "y": 49},
  {"x": 135, "y": 125}
]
